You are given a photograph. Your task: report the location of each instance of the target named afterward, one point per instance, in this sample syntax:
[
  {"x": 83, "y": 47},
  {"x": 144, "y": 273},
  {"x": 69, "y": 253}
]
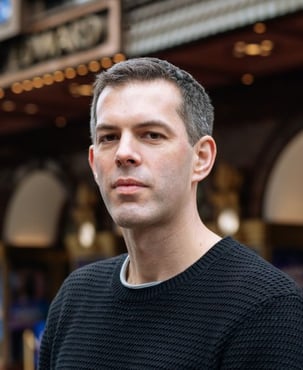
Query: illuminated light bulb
[
  {"x": 17, "y": 88},
  {"x": 70, "y": 73},
  {"x": 228, "y": 221},
  {"x": 267, "y": 44},
  {"x": 37, "y": 82},
  {"x": 82, "y": 70},
  {"x": 239, "y": 49},
  {"x": 259, "y": 28},
  {"x": 8, "y": 106},
  {"x": 31, "y": 108},
  {"x": 27, "y": 85},
  {"x": 106, "y": 62},
  {"x": 266, "y": 47},
  {"x": 119, "y": 57},
  {"x": 87, "y": 234},
  {"x": 85, "y": 90},
  {"x": 252, "y": 49},
  {"x": 94, "y": 66},
  {"x": 48, "y": 79},
  {"x": 247, "y": 79},
  {"x": 73, "y": 89},
  {"x": 58, "y": 76}
]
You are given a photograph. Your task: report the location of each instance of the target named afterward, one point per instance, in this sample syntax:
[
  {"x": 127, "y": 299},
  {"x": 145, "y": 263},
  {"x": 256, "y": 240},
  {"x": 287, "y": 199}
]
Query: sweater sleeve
[{"x": 271, "y": 338}]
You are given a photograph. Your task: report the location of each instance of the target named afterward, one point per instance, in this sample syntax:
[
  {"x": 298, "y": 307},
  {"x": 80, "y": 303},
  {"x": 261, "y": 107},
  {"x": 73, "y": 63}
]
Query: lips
[
  {"x": 128, "y": 185},
  {"x": 127, "y": 182}
]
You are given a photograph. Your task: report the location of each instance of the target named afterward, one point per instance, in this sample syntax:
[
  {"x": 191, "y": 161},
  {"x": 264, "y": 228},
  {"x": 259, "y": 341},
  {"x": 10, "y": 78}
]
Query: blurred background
[{"x": 249, "y": 56}]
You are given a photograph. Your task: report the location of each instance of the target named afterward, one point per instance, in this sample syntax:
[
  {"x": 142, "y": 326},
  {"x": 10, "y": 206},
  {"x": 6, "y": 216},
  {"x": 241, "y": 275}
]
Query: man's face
[{"x": 141, "y": 156}]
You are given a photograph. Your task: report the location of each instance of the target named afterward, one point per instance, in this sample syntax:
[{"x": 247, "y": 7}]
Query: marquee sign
[{"x": 78, "y": 35}]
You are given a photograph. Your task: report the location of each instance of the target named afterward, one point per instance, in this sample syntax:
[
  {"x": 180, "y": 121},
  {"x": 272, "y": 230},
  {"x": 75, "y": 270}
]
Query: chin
[
  {"x": 131, "y": 216},
  {"x": 132, "y": 220},
  {"x": 130, "y": 223}
]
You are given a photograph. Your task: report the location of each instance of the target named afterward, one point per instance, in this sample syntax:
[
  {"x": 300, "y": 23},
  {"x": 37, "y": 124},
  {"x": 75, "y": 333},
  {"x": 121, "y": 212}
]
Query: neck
[{"x": 161, "y": 252}]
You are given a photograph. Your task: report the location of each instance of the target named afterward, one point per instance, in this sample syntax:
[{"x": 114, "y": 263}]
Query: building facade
[{"x": 247, "y": 54}]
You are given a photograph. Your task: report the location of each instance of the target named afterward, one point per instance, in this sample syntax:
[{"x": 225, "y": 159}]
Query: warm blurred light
[
  {"x": 266, "y": 47},
  {"x": 73, "y": 89},
  {"x": 94, "y": 66},
  {"x": 8, "y": 106},
  {"x": 85, "y": 90},
  {"x": 239, "y": 49},
  {"x": 17, "y": 88},
  {"x": 70, "y": 73},
  {"x": 29, "y": 347},
  {"x": 27, "y": 85},
  {"x": 228, "y": 221},
  {"x": 259, "y": 28},
  {"x": 87, "y": 234},
  {"x": 38, "y": 82},
  {"x": 48, "y": 79},
  {"x": 119, "y": 57},
  {"x": 247, "y": 79},
  {"x": 77, "y": 90},
  {"x": 58, "y": 76},
  {"x": 106, "y": 62},
  {"x": 31, "y": 108},
  {"x": 252, "y": 49},
  {"x": 82, "y": 70},
  {"x": 60, "y": 121}
]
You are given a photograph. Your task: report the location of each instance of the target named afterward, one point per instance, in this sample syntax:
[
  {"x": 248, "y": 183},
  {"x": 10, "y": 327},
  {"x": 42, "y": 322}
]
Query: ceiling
[{"x": 61, "y": 106}]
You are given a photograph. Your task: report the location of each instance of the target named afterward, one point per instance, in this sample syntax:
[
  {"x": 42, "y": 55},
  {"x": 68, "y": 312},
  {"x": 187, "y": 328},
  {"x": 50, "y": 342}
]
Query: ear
[
  {"x": 205, "y": 155},
  {"x": 91, "y": 161}
]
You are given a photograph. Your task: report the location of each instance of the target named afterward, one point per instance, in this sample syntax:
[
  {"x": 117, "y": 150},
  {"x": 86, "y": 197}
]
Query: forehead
[{"x": 158, "y": 93}]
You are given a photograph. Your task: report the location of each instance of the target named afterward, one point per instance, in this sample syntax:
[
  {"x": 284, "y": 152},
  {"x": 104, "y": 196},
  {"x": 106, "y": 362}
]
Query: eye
[
  {"x": 107, "y": 138},
  {"x": 152, "y": 135}
]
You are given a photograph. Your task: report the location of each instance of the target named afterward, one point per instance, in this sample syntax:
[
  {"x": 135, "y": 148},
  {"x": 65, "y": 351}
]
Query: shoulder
[
  {"x": 97, "y": 269},
  {"x": 252, "y": 277},
  {"x": 255, "y": 297},
  {"x": 93, "y": 274},
  {"x": 84, "y": 282},
  {"x": 265, "y": 309}
]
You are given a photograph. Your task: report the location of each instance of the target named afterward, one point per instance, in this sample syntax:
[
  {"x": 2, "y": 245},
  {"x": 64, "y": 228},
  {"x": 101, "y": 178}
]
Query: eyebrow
[{"x": 153, "y": 123}]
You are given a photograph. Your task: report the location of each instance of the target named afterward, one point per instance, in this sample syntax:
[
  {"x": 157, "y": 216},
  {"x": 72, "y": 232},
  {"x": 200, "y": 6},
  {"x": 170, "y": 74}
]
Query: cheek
[
  {"x": 175, "y": 172},
  {"x": 102, "y": 172},
  {"x": 102, "y": 164}
]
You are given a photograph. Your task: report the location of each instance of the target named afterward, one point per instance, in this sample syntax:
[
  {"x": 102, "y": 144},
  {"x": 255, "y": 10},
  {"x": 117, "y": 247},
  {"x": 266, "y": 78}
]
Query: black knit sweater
[{"x": 230, "y": 310}]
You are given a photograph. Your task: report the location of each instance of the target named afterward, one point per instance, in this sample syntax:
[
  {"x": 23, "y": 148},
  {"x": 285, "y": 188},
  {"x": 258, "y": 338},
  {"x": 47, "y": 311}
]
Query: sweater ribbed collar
[{"x": 124, "y": 293}]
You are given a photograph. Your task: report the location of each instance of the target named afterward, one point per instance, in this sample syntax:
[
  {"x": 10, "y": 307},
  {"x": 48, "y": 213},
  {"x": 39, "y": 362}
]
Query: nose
[{"x": 127, "y": 153}]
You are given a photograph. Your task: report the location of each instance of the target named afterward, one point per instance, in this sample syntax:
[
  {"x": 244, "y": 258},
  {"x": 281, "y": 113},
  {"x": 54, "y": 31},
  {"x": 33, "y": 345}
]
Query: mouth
[{"x": 128, "y": 185}]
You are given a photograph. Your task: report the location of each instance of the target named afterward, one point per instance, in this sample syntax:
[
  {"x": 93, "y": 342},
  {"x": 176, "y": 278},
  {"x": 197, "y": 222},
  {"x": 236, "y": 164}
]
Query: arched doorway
[
  {"x": 283, "y": 194},
  {"x": 283, "y": 209}
]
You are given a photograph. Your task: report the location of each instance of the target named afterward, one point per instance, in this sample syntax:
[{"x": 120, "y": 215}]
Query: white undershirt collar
[{"x": 123, "y": 273}]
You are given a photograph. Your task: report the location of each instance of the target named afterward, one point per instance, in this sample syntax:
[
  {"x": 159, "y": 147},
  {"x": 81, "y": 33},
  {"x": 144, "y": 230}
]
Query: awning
[{"x": 164, "y": 24}]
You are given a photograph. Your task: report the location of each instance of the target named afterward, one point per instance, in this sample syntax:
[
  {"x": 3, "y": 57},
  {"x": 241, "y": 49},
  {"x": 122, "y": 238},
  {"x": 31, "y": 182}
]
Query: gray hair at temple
[{"x": 196, "y": 110}]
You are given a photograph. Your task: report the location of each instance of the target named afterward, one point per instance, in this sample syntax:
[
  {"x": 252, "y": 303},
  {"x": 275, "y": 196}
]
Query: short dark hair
[{"x": 196, "y": 111}]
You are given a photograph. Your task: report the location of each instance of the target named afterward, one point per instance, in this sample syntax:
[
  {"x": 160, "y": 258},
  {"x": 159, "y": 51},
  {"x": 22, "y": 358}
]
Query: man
[{"x": 182, "y": 298}]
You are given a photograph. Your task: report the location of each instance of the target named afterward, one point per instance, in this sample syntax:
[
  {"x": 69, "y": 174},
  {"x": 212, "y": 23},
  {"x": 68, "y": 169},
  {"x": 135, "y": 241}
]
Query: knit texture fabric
[{"x": 229, "y": 310}]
